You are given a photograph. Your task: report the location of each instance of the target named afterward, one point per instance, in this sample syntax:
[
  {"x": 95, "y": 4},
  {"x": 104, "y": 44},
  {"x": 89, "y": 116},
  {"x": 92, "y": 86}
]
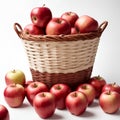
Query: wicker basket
[{"x": 61, "y": 58}]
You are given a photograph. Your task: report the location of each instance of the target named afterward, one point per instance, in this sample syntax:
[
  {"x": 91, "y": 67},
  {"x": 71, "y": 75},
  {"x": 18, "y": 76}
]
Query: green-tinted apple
[{"x": 15, "y": 76}]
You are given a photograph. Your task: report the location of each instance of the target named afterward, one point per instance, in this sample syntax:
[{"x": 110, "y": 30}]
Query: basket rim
[{"x": 70, "y": 37}]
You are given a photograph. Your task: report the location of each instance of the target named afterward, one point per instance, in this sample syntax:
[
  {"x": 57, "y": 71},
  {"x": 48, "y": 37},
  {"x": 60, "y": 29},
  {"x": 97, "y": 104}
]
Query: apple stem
[
  {"x": 43, "y": 5},
  {"x": 34, "y": 18},
  {"x": 13, "y": 71},
  {"x": 108, "y": 92},
  {"x": 58, "y": 87},
  {"x": 35, "y": 85},
  {"x": 75, "y": 95},
  {"x": 43, "y": 94},
  {"x": 98, "y": 77},
  {"x": 84, "y": 87},
  {"x": 114, "y": 83},
  {"x": 58, "y": 21},
  {"x": 69, "y": 13}
]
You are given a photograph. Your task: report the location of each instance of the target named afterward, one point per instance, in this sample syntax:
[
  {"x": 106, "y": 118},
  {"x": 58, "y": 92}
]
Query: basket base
[{"x": 72, "y": 79}]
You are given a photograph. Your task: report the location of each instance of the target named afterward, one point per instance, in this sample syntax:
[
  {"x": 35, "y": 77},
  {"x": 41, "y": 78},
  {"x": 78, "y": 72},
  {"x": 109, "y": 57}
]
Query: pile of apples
[
  {"x": 59, "y": 96},
  {"x": 43, "y": 23}
]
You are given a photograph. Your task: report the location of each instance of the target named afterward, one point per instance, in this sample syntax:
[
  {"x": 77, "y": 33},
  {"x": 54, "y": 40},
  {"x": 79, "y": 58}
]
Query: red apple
[
  {"x": 76, "y": 102},
  {"x": 4, "y": 113},
  {"x": 111, "y": 87},
  {"x": 71, "y": 17},
  {"x": 40, "y": 16},
  {"x": 60, "y": 92},
  {"x": 15, "y": 76},
  {"x": 57, "y": 26},
  {"x": 33, "y": 30},
  {"x": 88, "y": 90},
  {"x": 28, "y": 82},
  {"x": 34, "y": 88},
  {"x": 26, "y": 85},
  {"x": 14, "y": 95},
  {"x": 86, "y": 24},
  {"x": 44, "y": 104},
  {"x": 98, "y": 82},
  {"x": 109, "y": 101},
  {"x": 74, "y": 30}
]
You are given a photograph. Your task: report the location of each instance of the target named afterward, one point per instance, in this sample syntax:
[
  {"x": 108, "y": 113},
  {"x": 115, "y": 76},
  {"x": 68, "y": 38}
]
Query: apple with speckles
[{"x": 15, "y": 76}]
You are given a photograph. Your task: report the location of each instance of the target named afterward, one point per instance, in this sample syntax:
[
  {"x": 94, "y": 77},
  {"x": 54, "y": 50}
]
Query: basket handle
[
  {"x": 103, "y": 26},
  {"x": 18, "y": 29}
]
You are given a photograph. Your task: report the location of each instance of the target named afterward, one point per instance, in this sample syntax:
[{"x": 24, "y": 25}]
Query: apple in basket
[
  {"x": 109, "y": 101},
  {"x": 15, "y": 76},
  {"x": 76, "y": 102},
  {"x": 86, "y": 24},
  {"x": 60, "y": 92},
  {"x": 44, "y": 104},
  {"x": 4, "y": 113},
  {"x": 57, "y": 26},
  {"x": 74, "y": 30},
  {"x": 34, "y": 88},
  {"x": 40, "y": 16},
  {"x": 71, "y": 17},
  {"x": 33, "y": 30},
  {"x": 14, "y": 95},
  {"x": 88, "y": 90}
]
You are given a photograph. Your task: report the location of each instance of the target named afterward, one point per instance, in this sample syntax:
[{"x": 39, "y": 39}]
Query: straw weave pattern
[{"x": 61, "y": 57}]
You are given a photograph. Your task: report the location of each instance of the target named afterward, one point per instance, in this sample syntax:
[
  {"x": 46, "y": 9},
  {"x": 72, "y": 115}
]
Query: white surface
[{"x": 13, "y": 55}]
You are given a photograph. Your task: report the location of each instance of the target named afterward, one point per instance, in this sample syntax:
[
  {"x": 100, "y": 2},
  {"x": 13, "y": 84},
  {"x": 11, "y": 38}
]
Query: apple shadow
[
  {"x": 56, "y": 116},
  {"x": 24, "y": 105},
  {"x": 87, "y": 114},
  {"x": 118, "y": 113},
  {"x": 115, "y": 114},
  {"x": 94, "y": 104}
]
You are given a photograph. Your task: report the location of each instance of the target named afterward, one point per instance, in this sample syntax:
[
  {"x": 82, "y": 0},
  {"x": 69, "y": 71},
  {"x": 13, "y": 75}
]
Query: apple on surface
[
  {"x": 98, "y": 82},
  {"x": 57, "y": 26},
  {"x": 70, "y": 17},
  {"x": 76, "y": 102},
  {"x": 109, "y": 101},
  {"x": 40, "y": 16},
  {"x": 33, "y": 30},
  {"x": 26, "y": 85},
  {"x": 4, "y": 113},
  {"x": 88, "y": 90},
  {"x": 44, "y": 104},
  {"x": 86, "y": 24},
  {"x": 60, "y": 92},
  {"x": 28, "y": 82},
  {"x": 111, "y": 87},
  {"x": 34, "y": 88},
  {"x": 14, "y": 95},
  {"x": 15, "y": 76}
]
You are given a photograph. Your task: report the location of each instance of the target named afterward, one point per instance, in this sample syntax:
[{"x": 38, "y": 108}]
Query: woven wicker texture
[{"x": 61, "y": 58}]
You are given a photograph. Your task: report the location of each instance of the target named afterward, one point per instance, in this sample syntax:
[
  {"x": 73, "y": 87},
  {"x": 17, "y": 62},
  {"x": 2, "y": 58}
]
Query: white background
[{"x": 12, "y": 54}]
